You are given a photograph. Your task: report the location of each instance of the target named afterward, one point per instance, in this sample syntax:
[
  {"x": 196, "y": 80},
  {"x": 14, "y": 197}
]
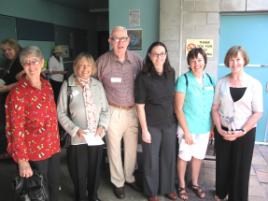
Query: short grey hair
[
  {"x": 119, "y": 28},
  {"x": 31, "y": 50}
]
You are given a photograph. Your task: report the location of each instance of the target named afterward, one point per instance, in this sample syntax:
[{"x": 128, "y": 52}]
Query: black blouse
[
  {"x": 15, "y": 68},
  {"x": 157, "y": 93},
  {"x": 237, "y": 93}
]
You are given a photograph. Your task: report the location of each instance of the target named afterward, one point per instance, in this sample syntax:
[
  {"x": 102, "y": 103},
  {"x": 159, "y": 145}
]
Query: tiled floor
[
  {"x": 258, "y": 187},
  {"x": 258, "y": 190}
]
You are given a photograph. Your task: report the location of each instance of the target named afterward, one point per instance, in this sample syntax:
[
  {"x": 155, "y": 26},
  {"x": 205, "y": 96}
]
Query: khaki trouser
[{"x": 123, "y": 124}]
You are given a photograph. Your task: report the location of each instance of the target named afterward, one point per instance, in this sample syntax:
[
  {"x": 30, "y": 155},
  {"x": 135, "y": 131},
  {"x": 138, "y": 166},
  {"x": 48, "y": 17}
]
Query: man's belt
[{"x": 121, "y": 106}]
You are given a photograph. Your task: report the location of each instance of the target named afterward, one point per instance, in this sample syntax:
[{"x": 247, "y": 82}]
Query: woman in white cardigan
[
  {"x": 86, "y": 122},
  {"x": 237, "y": 107}
]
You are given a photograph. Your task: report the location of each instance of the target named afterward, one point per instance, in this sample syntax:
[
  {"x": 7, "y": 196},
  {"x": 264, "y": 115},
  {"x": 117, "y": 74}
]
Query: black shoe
[
  {"x": 134, "y": 186},
  {"x": 97, "y": 199},
  {"x": 119, "y": 192}
]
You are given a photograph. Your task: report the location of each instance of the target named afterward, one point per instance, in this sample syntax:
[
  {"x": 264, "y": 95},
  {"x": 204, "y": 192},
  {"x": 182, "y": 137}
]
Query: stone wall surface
[{"x": 198, "y": 19}]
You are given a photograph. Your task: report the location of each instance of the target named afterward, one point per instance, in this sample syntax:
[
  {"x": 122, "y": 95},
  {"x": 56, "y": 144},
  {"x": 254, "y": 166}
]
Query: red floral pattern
[{"x": 31, "y": 122}]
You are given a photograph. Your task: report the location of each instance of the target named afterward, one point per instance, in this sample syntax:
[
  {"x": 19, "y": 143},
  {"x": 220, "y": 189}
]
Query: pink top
[{"x": 118, "y": 77}]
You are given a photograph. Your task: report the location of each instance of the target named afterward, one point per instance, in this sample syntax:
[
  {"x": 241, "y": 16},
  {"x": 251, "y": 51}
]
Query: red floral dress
[{"x": 31, "y": 122}]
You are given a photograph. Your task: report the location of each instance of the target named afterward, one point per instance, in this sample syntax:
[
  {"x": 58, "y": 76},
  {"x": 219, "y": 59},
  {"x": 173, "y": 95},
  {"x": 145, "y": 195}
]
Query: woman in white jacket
[
  {"x": 86, "y": 122},
  {"x": 237, "y": 107}
]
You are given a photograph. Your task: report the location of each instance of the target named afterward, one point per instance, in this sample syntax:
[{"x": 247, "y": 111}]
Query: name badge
[
  {"x": 75, "y": 93},
  {"x": 116, "y": 79},
  {"x": 209, "y": 88}
]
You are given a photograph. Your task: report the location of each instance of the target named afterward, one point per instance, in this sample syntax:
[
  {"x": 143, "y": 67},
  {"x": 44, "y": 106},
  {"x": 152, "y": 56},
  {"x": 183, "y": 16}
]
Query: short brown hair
[
  {"x": 193, "y": 53},
  {"x": 233, "y": 51},
  {"x": 88, "y": 57},
  {"x": 12, "y": 43}
]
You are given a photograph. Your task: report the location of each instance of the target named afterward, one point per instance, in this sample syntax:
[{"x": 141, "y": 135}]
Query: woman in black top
[
  {"x": 154, "y": 95},
  {"x": 13, "y": 71}
]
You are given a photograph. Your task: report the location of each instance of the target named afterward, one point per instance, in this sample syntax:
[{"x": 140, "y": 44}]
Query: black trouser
[
  {"x": 84, "y": 163},
  {"x": 159, "y": 158},
  {"x": 56, "y": 89},
  {"x": 50, "y": 168},
  {"x": 3, "y": 139},
  {"x": 233, "y": 162}
]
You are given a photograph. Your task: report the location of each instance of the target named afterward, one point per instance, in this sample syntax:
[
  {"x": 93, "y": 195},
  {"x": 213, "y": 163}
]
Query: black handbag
[
  {"x": 30, "y": 189},
  {"x": 65, "y": 138}
]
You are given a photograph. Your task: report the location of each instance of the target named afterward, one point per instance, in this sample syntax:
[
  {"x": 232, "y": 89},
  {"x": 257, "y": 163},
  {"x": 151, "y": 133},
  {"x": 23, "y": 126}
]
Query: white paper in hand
[{"x": 92, "y": 139}]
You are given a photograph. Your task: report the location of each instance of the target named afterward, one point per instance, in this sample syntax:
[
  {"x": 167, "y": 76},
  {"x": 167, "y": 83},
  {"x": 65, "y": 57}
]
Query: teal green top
[{"x": 197, "y": 103}]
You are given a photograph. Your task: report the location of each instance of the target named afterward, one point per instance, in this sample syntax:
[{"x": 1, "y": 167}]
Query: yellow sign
[{"x": 205, "y": 44}]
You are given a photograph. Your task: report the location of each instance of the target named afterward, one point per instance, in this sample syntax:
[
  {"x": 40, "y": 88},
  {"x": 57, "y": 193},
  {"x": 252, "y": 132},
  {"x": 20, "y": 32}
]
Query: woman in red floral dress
[{"x": 31, "y": 123}]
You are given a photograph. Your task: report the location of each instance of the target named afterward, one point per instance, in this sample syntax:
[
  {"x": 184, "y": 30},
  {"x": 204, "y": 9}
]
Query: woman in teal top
[{"x": 193, "y": 101}]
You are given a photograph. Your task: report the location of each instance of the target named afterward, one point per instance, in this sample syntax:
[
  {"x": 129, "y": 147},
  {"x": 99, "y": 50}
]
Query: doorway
[
  {"x": 103, "y": 45},
  {"x": 250, "y": 31}
]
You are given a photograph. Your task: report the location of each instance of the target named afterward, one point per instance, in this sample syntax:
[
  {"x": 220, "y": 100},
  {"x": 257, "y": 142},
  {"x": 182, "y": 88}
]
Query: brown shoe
[
  {"x": 119, "y": 192},
  {"x": 154, "y": 198},
  {"x": 172, "y": 196},
  {"x": 134, "y": 186},
  {"x": 199, "y": 192},
  {"x": 216, "y": 198},
  {"x": 183, "y": 195}
]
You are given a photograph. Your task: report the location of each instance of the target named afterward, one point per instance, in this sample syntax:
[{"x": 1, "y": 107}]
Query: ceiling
[{"x": 91, "y": 6}]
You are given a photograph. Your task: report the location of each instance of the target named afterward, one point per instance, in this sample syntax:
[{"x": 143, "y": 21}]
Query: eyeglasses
[
  {"x": 121, "y": 39},
  {"x": 159, "y": 55},
  {"x": 31, "y": 62}
]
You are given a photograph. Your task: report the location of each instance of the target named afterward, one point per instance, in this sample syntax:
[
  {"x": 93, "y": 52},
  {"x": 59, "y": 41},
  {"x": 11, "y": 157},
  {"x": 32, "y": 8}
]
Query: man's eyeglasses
[
  {"x": 121, "y": 39},
  {"x": 31, "y": 62},
  {"x": 160, "y": 55}
]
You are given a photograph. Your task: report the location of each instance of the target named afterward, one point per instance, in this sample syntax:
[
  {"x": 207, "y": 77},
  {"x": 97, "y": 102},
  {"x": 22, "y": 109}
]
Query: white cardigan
[
  {"x": 235, "y": 114},
  {"x": 78, "y": 118}
]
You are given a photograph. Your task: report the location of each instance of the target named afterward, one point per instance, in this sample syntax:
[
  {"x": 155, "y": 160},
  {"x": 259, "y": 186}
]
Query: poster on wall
[
  {"x": 205, "y": 44},
  {"x": 134, "y": 17},
  {"x": 135, "y": 36}
]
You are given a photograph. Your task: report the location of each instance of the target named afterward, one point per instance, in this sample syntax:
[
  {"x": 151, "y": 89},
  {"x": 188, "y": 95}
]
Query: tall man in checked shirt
[{"x": 117, "y": 70}]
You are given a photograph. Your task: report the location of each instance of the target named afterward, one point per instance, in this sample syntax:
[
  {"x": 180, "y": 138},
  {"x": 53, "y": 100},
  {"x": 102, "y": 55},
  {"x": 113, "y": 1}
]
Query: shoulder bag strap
[{"x": 69, "y": 92}]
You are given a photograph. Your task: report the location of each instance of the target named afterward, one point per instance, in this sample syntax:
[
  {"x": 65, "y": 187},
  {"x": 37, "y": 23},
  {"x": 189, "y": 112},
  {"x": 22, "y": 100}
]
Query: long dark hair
[{"x": 148, "y": 66}]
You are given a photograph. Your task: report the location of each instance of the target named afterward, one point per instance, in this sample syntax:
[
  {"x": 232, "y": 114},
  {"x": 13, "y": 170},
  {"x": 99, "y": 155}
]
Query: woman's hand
[
  {"x": 80, "y": 133},
  {"x": 211, "y": 133},
  {"x": 230, "y": 137},
  {"x": 6, "y": 88},
  {"x": 233, "y": 135},
  {"x": 25, "y": 169},
  {"x": 222, "y": 132},
  {"x": 146, "y": 137},
  {"x": 100, "y": 131},
  {"x": 188, "y": 138}
]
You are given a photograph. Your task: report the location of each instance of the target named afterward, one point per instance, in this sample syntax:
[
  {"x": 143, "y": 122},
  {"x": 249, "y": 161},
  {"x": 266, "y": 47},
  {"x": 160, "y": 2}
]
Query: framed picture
[
  {"x": 135, "y": 39},
  {"x": 134, "y": 16}
]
